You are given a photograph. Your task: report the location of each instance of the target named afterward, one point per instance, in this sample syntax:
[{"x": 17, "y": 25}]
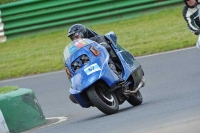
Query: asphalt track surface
[{"x": 171, "y": 99}]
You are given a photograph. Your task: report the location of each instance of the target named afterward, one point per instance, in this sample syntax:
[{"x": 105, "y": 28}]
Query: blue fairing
[
  {"x": 97, "y": 68},
  {"x": 127, "y": 59},
  {"x": 84, "y": 74}
]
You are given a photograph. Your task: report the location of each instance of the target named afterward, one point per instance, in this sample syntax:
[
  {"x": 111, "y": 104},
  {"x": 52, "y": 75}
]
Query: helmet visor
[{"x": 75, "y": 36}]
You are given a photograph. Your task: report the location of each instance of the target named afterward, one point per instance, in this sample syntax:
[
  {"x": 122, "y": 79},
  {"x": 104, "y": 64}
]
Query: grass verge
[
  {"x": 7, "y": 1},
  {"x": 6, "y": 89},
  {"x": 148, "y": 34}
]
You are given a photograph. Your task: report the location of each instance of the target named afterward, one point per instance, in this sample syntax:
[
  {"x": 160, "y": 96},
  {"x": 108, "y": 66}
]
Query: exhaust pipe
[{"x": 142, "y": 83}]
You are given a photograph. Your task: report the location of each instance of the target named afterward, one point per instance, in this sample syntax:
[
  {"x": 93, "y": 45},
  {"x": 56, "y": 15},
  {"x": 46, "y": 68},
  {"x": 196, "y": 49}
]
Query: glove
[{"x": 197, "y": 32}]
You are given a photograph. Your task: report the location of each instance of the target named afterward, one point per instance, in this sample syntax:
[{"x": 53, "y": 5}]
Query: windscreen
[{"x": 75, "y": 45}]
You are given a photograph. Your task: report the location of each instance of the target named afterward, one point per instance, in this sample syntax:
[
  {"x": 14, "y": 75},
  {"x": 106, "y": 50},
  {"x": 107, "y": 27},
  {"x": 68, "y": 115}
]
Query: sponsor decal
[
  {"x": 88, "y": 41},
  {"x": 72, "y": 49}
]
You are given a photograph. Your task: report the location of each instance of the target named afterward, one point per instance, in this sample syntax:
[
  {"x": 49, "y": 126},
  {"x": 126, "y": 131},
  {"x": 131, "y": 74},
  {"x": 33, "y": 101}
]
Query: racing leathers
[{"x": 191, "y": 16}]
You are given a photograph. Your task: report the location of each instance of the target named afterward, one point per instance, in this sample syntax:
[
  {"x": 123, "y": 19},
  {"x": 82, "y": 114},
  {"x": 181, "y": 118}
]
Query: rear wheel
[
  {"x": 104, "y": 100},
  {"x": 135, "y": 99}
]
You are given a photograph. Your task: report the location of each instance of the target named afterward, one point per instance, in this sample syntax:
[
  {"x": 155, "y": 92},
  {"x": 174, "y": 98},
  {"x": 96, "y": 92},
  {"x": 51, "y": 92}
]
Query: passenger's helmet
[{"x": 77, "y": 29}]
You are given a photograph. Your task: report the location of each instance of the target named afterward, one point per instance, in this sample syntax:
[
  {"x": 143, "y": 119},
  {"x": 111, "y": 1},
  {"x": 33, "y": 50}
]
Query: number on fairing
[{"x": 91, "y": 69}]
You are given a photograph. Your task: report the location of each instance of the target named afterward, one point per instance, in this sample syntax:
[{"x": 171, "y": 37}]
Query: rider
[
  {"x": 77, "y": 31},
  {"x": 190, "y": 14}
]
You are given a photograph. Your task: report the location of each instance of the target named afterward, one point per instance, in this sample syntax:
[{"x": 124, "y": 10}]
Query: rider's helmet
[
  {"x": 75, "y": 30},
  {"x": 185, "y": 1},
  {"x": 79, "y": 29}
]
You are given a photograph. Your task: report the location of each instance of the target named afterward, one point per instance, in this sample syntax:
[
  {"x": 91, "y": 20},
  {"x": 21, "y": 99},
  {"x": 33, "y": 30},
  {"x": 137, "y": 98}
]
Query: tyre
[
  {"x": 72, "y": 99},
  {"x": 135, "y": 99},
  {"x": 104, "y": 100}
]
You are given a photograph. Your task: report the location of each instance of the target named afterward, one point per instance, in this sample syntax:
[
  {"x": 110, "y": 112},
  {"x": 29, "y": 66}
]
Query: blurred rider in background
[
  {"x": 78, "y": 31},
  {"x": 191, "y": 16}
]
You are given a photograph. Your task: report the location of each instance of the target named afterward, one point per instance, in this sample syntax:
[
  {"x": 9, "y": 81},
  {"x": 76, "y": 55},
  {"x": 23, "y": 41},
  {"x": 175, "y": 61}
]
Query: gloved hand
[{"x": 197, "y": 32}]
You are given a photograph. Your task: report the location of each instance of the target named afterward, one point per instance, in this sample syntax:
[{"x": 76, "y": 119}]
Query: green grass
[
  {"x": 148, "y": 34},
  {"x": 6, "y": 89},
  {"x": 7, "y": 1}
]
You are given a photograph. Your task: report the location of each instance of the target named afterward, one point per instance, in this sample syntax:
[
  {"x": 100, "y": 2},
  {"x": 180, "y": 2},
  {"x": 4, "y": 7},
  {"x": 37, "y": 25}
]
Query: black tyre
[
  {"x": 135, "y": 99},
  {"x": 72, "y": 99},
  {"x": 105, "y": 101}
]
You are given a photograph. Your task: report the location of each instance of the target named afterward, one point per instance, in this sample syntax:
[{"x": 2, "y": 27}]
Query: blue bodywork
[{"x": 97, "y": 67}]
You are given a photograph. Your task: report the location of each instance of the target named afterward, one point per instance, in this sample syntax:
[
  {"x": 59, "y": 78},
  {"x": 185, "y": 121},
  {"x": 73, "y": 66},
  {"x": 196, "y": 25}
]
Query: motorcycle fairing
[
  {"x": 130, "y": 66},
  {"x": 97, "y": 68}
]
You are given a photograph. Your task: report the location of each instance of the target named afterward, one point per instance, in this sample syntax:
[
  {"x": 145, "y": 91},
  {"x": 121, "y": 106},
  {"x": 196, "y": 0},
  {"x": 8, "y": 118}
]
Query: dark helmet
[
  {"x": 185, "y": 1},
  {"x": 77, "y": 29}
]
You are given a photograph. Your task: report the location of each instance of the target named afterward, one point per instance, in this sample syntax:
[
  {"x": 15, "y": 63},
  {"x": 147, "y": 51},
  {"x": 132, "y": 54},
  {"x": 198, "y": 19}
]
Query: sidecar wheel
[
  {"x": 135, "y": 99},
  {"x": 105, "y": 101}
]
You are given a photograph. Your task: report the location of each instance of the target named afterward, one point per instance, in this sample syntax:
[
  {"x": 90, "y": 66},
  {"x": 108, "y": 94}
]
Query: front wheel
[
  {"x": 104, "y": 100},
  {"x": 135, "y": 99}
]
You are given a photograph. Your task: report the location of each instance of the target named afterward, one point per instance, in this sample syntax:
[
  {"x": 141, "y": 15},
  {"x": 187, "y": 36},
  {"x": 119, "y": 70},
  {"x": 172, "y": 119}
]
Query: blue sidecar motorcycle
[{"x": 93, "y": 83}]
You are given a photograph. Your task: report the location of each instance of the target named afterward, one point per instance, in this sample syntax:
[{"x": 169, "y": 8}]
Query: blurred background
[{"x": 33, "y": 34}]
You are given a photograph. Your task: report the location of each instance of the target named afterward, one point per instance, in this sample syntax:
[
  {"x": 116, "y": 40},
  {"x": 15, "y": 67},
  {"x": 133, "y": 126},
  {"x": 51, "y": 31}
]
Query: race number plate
[{"x": 92, "y": 68}]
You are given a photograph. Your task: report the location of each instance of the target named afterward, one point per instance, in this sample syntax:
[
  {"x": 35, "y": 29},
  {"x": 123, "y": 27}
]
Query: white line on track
[
  {"x": 61, "y": 71},
  {"x": 178, "y": 50},
  {"x": 32, "y": 76},
  {"x": 60, "y": 119}
]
